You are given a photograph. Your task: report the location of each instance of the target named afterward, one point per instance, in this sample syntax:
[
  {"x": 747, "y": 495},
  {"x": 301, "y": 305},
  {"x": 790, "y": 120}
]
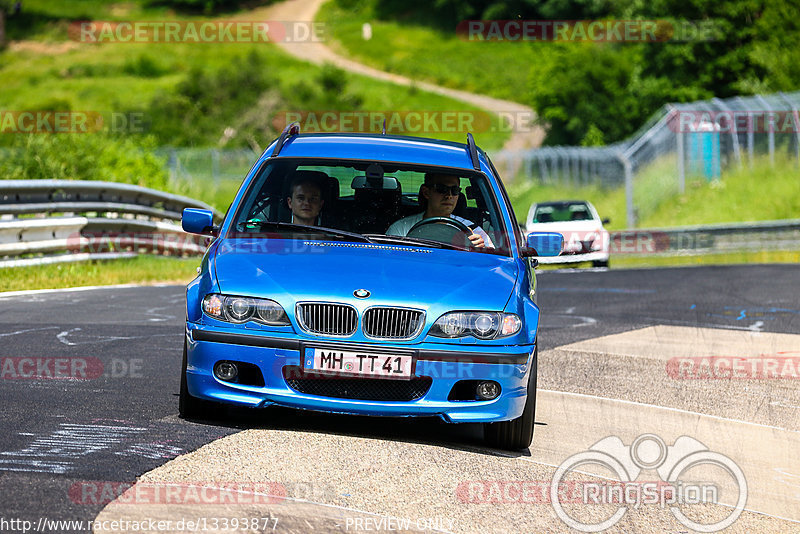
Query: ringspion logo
[{"x": 690, "y": 475}]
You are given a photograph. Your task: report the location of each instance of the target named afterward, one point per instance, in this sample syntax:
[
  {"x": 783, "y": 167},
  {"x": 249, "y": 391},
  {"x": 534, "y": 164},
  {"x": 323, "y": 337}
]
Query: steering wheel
[
  {"x": 443, "y": 220},
  {"x": 451, "y": 227}
]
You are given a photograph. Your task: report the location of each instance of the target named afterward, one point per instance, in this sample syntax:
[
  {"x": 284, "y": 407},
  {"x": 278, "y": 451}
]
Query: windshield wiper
[
  {"x": 412, "y": 240},
  {"x": 302, "y": 228}
]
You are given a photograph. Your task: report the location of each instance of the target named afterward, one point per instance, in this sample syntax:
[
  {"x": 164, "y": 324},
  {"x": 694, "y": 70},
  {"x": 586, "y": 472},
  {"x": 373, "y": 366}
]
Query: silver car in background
[{"x": 585, "y": 238}]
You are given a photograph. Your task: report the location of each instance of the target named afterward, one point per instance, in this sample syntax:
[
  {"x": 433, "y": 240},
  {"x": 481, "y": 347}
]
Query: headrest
[
  {"x": 389, "y": 183},
  {"x": 318, "y": 178}
]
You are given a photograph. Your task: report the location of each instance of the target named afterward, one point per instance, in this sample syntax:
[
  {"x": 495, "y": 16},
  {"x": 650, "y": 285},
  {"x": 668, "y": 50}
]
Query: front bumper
[{"x": 445, "y": 366}]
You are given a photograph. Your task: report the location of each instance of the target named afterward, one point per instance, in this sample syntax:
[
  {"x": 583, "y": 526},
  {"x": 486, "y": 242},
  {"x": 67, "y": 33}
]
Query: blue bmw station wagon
[{"x": 368, "y": 274}]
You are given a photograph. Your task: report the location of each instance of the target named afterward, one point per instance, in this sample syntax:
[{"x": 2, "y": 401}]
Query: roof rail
[
  {"x": 290, "y": 130},
  {"x": 473, "y": 152}
]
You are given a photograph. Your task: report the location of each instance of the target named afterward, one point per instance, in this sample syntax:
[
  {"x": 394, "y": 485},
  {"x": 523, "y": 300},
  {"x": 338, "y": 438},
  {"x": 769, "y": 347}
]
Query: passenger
[
  {"x": 439, "y": 198},
  {"x": 306, "y": 201}
]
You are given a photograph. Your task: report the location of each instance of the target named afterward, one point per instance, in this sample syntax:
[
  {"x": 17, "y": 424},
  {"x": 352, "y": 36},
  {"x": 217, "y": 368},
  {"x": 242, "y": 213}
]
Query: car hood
[{"x": 434, "y": 279}]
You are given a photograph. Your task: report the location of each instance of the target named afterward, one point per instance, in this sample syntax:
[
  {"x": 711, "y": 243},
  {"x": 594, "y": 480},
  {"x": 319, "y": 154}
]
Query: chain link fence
[
  {"x": 208, "y": 165},
  {"x": 693, "y": 140}
]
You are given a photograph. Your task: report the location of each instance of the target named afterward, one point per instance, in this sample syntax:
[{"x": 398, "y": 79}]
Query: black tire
[
  {"x": 517, "y": 434},
  {"x": 600, "y": 263},
  {"x": 188, "y": 407}
]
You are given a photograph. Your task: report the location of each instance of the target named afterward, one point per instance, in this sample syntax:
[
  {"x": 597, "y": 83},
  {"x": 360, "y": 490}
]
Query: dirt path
[{"x": 524, "y": 133}]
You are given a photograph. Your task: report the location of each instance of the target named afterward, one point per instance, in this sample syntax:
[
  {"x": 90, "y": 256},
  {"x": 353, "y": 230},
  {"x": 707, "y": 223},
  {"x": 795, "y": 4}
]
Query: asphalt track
[{"x": 59, "y": 434}]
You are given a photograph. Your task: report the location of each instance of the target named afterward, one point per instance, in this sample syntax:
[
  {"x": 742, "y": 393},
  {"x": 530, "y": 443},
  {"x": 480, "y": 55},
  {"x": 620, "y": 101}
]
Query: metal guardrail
[
  {"x": 709, "y": 239},
  {"x": 95, "y": 220},
  {"x": 111, "y": 220},
  {"x": 77, "y": 196}
]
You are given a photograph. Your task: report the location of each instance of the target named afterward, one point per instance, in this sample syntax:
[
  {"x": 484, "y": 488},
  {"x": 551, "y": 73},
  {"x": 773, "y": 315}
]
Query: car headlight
[
  {"x": 243, "y": 309},
  {"x": 482, "y": 325}
]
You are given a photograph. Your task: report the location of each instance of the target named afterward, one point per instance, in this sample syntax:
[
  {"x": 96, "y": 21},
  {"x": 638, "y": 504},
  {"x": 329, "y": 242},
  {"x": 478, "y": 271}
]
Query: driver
[{"x": 440, "y": 193}]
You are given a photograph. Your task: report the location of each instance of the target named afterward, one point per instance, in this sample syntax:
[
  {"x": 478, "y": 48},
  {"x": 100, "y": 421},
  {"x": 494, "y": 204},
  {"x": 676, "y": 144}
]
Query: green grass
[
  {"x": 139, "y": 270},
  {"x": 732, "y": 258},
  {"x": 763, "y": 193},
  {"x": 118, "y": 77},
  {"x": 498, "y": 69},
  {"x": 729, "y": 258},
  {"x": 48, "y": 20},
  {"x": 742, "y": 195},
  {"x": 122, "y": 77},
  {"x": 218, "y": 195}
]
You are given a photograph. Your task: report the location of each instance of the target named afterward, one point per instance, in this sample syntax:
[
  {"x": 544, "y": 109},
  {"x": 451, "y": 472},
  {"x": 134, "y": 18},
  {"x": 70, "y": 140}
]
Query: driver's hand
[{"x": 477, "y": 241}]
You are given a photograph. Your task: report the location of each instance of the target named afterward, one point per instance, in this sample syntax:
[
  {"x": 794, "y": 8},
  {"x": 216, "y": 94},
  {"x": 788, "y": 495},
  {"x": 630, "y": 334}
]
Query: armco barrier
[
  {"x": 50, "y": 221},
  {"x": 78, "y": 220},
  {"x": 709, "y": 239}
]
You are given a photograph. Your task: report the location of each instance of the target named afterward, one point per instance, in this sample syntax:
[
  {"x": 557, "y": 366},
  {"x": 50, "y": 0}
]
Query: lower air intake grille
[{"x": 375, "y": 389}]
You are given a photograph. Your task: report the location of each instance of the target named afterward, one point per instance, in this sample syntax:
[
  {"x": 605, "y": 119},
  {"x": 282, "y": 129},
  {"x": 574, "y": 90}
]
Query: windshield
[
  {"x": 562, "y": 211},
  {"x": 364, "y": 201}
]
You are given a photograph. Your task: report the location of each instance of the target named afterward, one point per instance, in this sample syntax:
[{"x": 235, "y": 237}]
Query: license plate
[{"x": 396, "y": 366}]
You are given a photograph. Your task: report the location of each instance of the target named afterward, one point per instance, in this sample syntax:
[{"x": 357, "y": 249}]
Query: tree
[{"x": 2, "y": 24}]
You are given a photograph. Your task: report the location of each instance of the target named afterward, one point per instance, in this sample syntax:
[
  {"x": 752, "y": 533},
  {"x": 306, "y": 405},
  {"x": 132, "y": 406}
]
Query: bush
[
  {"x": 84, "y": 157},
  {"x": 204, "y": 104}
]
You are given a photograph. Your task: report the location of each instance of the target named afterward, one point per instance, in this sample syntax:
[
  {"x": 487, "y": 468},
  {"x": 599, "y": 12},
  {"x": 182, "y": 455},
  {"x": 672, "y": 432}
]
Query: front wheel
[
  {"x": 516, "y": 434},
  {"x": 188, "y": 407},
  {"x": 603, "y": 263}
]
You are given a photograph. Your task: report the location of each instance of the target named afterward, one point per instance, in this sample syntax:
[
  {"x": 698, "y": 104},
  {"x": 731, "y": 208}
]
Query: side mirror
[
  {"x": 197, "y": 221},
  {"x": 543, "y": 244},
  {"x": 606, "y": 221}
]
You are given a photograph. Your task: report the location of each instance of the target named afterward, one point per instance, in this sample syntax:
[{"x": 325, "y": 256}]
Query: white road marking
[
  {"x": 783, "y": 404},
  {"x": 62, "y": 337},
  {"x": 10, "y": 294},
  {"x": 158, "y": 317},
  {"x": 54, "y": 452},
  {"x": 678, "y": 410},
  {"x": 6, "y": 334}
]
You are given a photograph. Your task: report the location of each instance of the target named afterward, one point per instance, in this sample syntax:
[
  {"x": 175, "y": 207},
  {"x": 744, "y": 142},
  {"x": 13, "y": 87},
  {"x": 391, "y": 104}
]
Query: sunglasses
[{"x": 442, "y": 189}]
